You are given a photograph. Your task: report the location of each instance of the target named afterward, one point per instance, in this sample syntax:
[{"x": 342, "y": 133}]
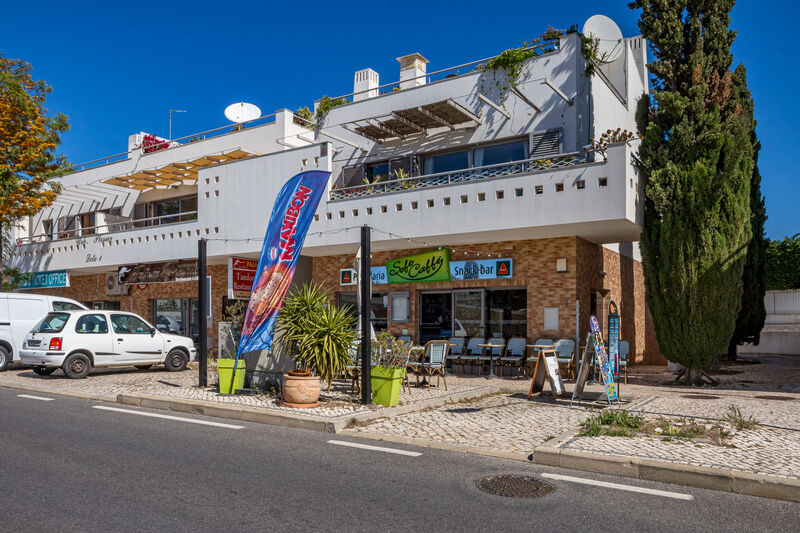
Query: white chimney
[
  {"x": 412, "y": 71},
  {"x": 365, "y": 84}
]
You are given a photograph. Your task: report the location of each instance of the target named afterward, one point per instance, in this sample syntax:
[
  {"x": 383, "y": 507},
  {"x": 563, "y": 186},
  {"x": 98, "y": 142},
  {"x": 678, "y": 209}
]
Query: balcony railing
[
  {"x": 112, "y": 227},
  {"x": 462, "y": 176}
]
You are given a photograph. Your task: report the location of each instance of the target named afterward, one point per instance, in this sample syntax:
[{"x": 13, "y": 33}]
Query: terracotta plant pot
[{"x": 301, "y": 391}]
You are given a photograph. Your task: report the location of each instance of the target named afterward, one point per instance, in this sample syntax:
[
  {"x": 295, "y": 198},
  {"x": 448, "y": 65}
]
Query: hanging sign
[
  {"x": 428, "y": 266},
  {"x": 168, "y": 272},
  {"x": 484, "y": 269},
  {"x": 46, "y": 280},
  {"x": 291, "y": 216},
  {"x": 241, "y": 272},
  {"x": 347, "y": 277}
]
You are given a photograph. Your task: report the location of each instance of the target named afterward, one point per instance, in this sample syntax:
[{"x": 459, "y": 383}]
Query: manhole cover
[
  {"x": 781, "y": 398},
  {"x": 700, "y": 397},
  {"x": 514, "y": 486}
]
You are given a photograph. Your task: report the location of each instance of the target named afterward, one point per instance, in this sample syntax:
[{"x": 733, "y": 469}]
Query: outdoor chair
[
  {"x": 456, "y": 350},
  {"x": 493, "y": 353},
  {"x": 536, "y": 351},
  {"x": 436, "y": 355},
  {"x": 624, "y": 348},
  {"x": 406, "y": 339},
  {"x": 515, "y": 353},
  {"x": 474, "y": 351},
  {"x": 565, "y": 354}
]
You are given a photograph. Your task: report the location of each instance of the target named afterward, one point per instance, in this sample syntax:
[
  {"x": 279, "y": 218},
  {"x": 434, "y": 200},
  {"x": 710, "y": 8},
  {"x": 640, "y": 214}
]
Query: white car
[
  {"x": 76, "y": 341},
  {"x": 19, "y": 312}
]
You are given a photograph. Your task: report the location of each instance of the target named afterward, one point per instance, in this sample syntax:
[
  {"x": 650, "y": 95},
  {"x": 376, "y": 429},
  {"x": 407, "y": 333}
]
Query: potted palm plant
[
  {"x": 389, "y": 362},
  {"x": 317, "y": 335}
]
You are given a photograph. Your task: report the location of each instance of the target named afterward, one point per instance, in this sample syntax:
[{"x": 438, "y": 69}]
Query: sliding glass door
[{"x": 468, "y": 313}]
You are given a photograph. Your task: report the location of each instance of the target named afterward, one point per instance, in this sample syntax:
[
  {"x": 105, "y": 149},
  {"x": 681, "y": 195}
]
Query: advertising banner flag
[{"x": 291, "y": 217}]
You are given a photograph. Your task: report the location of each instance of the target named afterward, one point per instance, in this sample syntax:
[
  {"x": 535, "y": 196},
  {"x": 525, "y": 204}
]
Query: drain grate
[
  {"x": 700, "y": 397},
  {"x": 768, "y": 397},
  {"x": 514, "y": 486}
]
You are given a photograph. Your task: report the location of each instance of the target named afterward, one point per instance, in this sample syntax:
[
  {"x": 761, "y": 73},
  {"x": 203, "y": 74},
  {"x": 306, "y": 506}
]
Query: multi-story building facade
[{"x": 541, "y": 230}]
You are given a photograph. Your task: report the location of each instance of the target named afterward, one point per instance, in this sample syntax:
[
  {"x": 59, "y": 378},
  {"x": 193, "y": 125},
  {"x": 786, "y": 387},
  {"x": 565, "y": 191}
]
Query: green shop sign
[{"x": 429, "y": 266}]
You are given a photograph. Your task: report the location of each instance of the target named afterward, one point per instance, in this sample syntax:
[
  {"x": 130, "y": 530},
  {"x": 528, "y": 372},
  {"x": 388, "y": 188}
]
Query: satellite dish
[
  {"x": 605, "y": 30},
  {"x": 242, "y": 112}
]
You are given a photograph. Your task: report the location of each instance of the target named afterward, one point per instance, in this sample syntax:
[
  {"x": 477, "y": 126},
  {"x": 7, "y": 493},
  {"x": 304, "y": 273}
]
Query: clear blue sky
[{"x": 117, "y": 68}]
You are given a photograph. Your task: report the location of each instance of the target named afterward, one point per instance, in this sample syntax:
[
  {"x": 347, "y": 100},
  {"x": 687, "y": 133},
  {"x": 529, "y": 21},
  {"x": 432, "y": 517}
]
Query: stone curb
[
  {"x": 714, "y": 478},
  {"x": 425, "y": 443}
]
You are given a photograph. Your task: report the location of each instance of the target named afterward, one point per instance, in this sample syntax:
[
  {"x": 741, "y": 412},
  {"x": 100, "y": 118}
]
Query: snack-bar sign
[{"x": 241, "y": 273}]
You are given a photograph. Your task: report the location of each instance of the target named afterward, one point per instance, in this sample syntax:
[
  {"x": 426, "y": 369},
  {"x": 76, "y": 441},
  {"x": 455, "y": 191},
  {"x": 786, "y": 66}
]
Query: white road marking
[
  {"x": 374, "y": 448},
  {"x": 35, "y": 397},
  {"x": 630, "y": 488},
  {"x": 168, "y": 417}
]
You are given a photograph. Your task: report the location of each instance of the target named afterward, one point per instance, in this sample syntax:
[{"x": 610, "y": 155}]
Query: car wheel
[
  {"x": 44, "y": 370},
  {"x": 142, "y": 367},
  {"x": 5, "y": 358},
  {"x": 176, "y": 361},
  {"x": 77, "y": 366}
]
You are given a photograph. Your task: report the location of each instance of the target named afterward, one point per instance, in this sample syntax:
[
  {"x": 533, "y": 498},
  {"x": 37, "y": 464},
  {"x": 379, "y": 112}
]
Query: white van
[{"x": 19, "y": 312}]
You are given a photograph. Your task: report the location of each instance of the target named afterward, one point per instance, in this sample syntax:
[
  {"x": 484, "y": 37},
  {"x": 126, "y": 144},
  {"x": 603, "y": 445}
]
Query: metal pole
[
  {"x": 202, "y": 296},
  {"x": 366, "y": 348}
]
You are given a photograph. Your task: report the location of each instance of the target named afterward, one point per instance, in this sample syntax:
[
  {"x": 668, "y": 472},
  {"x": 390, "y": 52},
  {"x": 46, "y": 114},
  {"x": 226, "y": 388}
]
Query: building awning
[
  {"x": 174, "y": 173},
  {"x": 414, "y": 120}
]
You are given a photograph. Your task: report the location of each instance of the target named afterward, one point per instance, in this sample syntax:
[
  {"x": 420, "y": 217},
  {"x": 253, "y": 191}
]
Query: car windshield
[{"x": 52, "y": 323}]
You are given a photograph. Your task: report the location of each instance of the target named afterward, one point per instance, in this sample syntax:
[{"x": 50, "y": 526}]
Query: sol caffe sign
[
  {"x": 428, "y": 266},
  {"x": 241, "y": 273}
]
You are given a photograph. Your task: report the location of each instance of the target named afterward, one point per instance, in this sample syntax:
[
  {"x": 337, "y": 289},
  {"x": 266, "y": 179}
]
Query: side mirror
[{"x": 152, "y": 332}]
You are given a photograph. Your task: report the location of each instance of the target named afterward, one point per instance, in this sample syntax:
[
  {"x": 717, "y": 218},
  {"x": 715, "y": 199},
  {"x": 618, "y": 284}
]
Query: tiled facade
[{"x": 535, "y": 271}]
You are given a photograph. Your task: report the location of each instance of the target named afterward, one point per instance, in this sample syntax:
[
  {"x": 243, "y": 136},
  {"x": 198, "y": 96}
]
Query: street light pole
[
  {"x": 202, "y": 296},
  {"x": 366, "y": 304},
  {"x": 171, "y": 111}
]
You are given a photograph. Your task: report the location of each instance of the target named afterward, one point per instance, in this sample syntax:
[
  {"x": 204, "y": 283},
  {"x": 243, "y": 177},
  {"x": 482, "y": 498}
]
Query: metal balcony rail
[
  {"x": 113, "y": 227},
  {"x": 164, "y": 145},
  {"x": 546, "y": 47},
  {"x": 461, "y": 176}
]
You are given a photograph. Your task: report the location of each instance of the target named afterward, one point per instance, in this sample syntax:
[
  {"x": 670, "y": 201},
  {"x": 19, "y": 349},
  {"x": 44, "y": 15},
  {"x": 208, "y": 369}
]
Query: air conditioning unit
[{"x": 113, "y": 286}]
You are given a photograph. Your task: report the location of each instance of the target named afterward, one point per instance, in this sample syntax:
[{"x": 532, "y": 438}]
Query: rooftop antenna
[
  {"x": 171, "y": 111},
  {"x": 242, "y": 112},
  {"x": 608, "y": 36}
]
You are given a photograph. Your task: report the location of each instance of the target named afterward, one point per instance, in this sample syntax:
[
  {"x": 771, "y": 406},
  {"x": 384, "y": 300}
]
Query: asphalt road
[{"x": 66, "y": 465}]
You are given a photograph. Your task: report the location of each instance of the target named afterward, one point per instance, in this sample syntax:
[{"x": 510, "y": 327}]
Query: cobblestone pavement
[
  {"x": 511, "y": 423},
  {"x": 158, "y": 382}
]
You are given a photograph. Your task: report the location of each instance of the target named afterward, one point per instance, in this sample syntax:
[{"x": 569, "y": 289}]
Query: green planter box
[
  {"x": 228, "y": 384},
  {"x": 386, "y": 384}
]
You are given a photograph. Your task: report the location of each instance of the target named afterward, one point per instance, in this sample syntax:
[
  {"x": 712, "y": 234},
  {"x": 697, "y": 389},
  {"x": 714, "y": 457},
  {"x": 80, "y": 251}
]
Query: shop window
[
  {"x": 180, "y": 316},
  {"x": 507, "y": 312}
]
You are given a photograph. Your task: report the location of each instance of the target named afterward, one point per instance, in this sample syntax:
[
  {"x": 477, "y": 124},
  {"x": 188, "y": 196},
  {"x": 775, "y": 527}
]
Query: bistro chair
[
  {"x": 474, "y": 351},
  {"x": 515, "y": 353},
  {"x": 624, "y": 348},
  {"x": 493, "y": 353},
  {"x": 456, "y": 350},
  {"x": 436, "y": 355},
  {"x": 536, "y": 350},
  {"x": 565, "y": 354}
]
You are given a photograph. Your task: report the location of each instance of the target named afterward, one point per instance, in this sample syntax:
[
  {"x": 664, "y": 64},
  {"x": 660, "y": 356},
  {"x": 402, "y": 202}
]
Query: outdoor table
[{"x": 491, "y": 358}]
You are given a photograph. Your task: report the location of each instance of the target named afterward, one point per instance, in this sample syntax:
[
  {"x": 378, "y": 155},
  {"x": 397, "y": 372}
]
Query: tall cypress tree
[
  {"x": 696, "y": 158},
  {"x": 752, "y": 314}
]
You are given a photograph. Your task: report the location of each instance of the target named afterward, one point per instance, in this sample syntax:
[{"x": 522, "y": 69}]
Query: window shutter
[
  {"x": 402, "y": 164},
  {"x": 545, "y": 144},
  {"x": 353, "y": 175}
]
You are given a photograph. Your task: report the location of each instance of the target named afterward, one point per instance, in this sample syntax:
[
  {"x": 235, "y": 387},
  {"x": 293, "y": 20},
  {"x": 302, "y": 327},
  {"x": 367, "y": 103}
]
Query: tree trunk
[
  {"x": 694, "y": 376},
  {"x": 732, "y": 348}
]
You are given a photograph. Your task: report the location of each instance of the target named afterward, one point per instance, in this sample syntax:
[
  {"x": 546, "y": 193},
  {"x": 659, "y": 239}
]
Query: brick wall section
[
  {"x": 92, "y": 287},
  {"x": 534, "y": 270}
]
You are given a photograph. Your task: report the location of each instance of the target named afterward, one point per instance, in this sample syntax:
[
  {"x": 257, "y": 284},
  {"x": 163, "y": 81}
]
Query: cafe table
[{"x": 491, "y": 358}]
